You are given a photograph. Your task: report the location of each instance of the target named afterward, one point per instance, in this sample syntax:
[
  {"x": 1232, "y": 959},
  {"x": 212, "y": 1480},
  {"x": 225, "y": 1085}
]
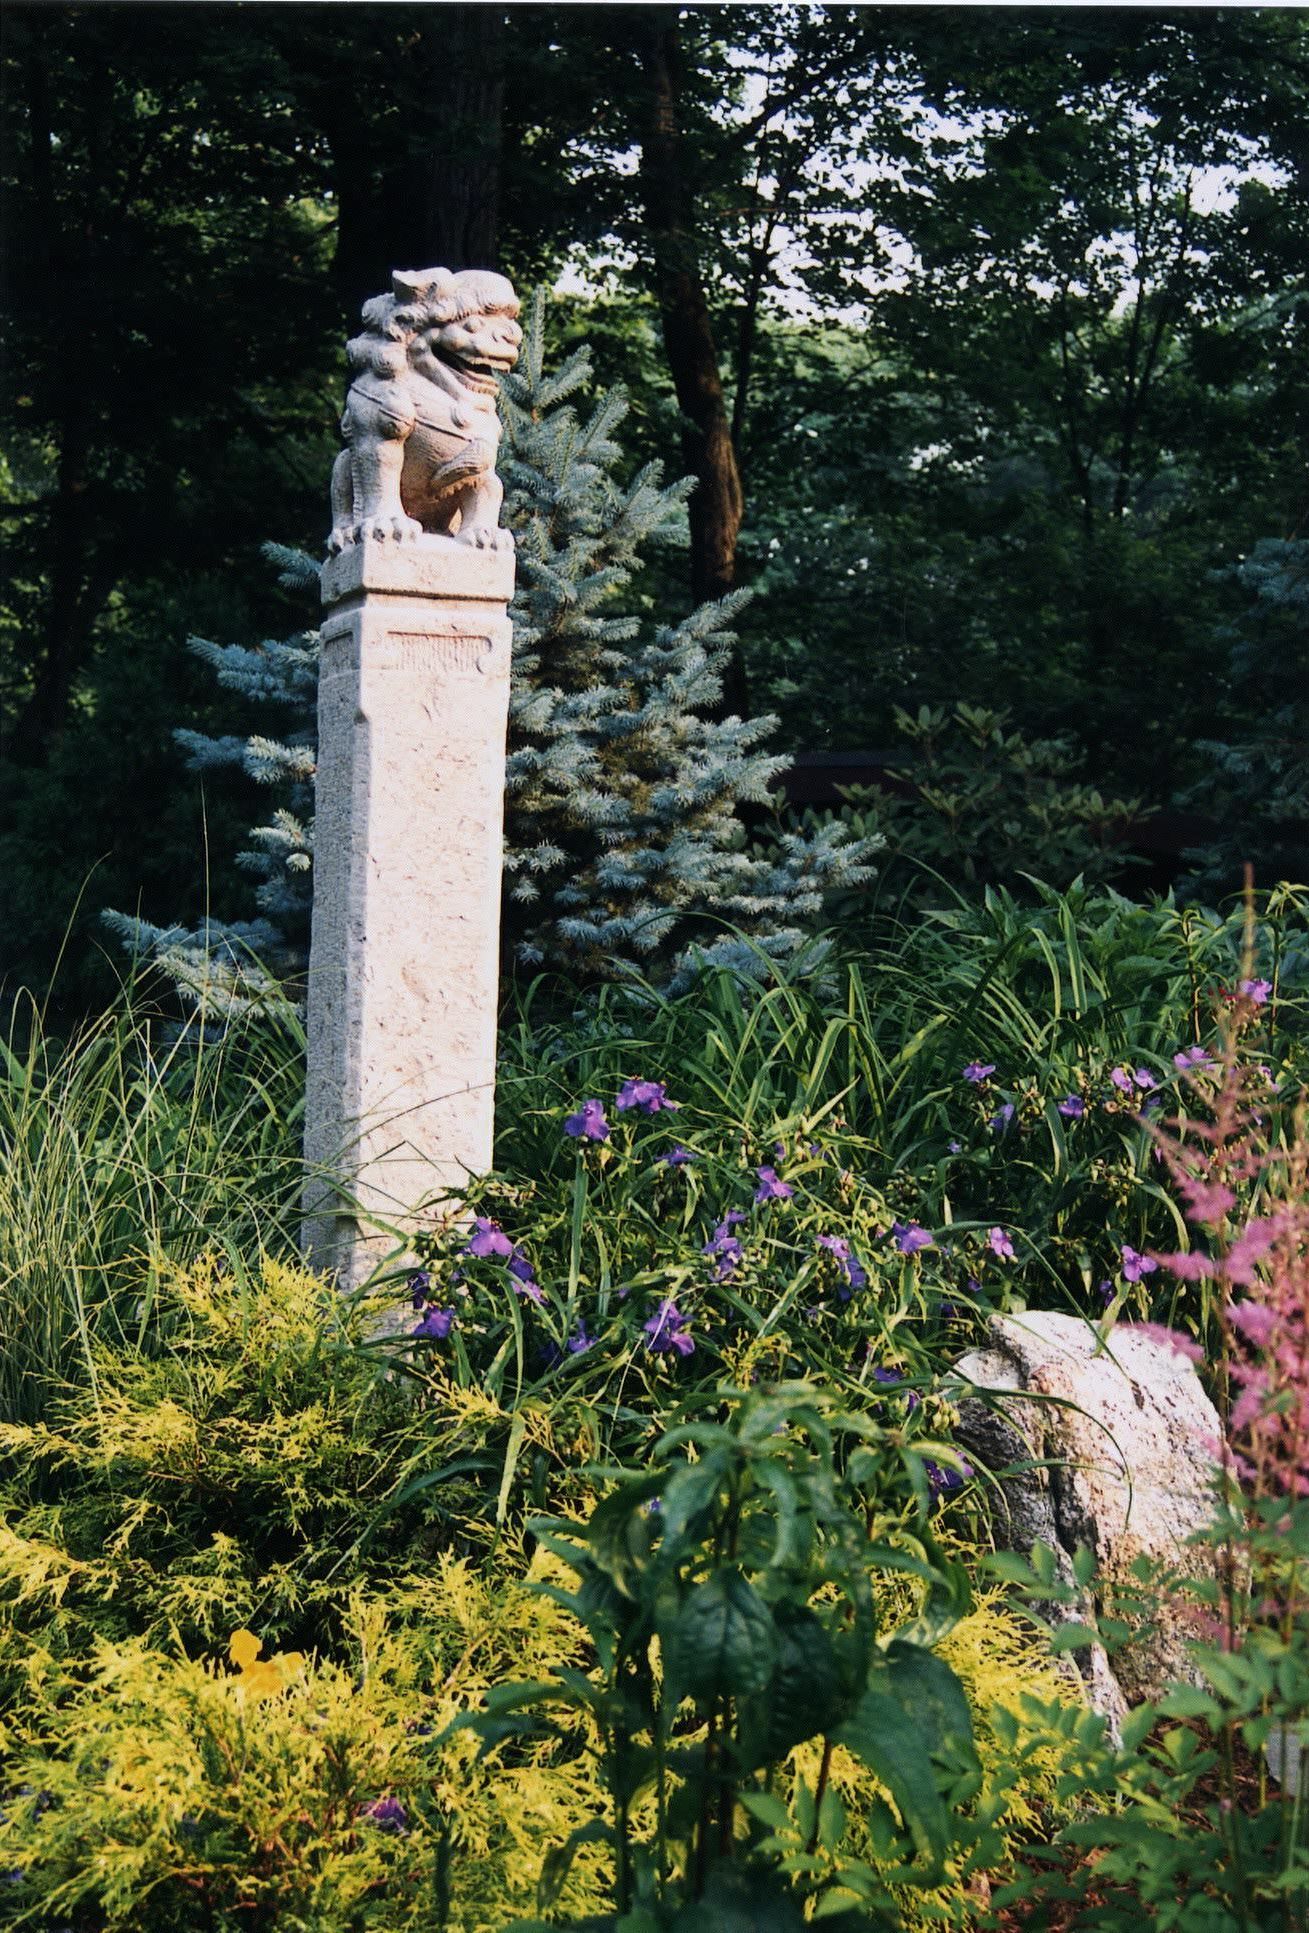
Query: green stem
[{"x": 820, "y": 1793}]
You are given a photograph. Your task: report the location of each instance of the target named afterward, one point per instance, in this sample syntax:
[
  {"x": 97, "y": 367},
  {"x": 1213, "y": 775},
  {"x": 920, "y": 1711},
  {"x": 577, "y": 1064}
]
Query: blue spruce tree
[{"x": 625, "y": 851}]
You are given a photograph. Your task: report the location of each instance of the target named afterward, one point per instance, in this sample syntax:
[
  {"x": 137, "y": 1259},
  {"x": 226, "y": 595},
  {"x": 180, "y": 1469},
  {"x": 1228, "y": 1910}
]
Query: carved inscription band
[{"x": 419, "y": 651}]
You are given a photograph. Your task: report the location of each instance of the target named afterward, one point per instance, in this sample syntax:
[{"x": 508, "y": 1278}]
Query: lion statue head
[{"x": 441, "y": 324}]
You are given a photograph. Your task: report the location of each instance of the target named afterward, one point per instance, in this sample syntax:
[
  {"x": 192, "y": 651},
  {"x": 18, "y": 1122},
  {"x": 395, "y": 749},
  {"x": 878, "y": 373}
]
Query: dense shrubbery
[
  {"x": 732, "y": 1241},
  {"x": 981, "y": 804}
]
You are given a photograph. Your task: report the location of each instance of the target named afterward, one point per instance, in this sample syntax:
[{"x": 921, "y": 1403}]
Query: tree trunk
[
  {"x": 419, "y": 186},
  {"x": 708, "y": 450},
  {"x": 458, "y": 178}
]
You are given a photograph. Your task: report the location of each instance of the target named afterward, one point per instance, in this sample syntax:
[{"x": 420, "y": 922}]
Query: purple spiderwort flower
[
  {"x": 667, "y": 1330},
  {"x": 419, "y": 1283},
  {"x": 909, "y": 1237},
  {"x": 955, "y": 1147},
  {"x": 577, "y": 1345},
  {"x": 723, "y": 1248},
  {"x": 978, "y": 1071},
  {"x": 1257, "y": 990},
  {"x": 436, "y": 1323},
  {"x": 855, "y": 1272},
  {"x": 1105, "y": 1291},
  {"x": 726, "y": 1254},
  {"x": 881, "y": 1375},
  {"x": 942, "y": 1482},
  {"x": 1145, "y": 1080},
  {"x": 999, "y": 1244},
  {"x": 771, "y": 1186},
  {"x": 488, "y": 1238},
  {"x": 1135, "y": 1265},
  {"x": 1000, "y": 1120},
  {"x": 388, "y": 1813},
  {"x": 1122, "y": 1080},
  {"x": 1192, "y": 1057},
  {"x": 648, "y": 1097},
  {"x": 588, "y": 1124},
  {"x": 676, "y": 1157},
  {"x": 1072, "y": 1107}
]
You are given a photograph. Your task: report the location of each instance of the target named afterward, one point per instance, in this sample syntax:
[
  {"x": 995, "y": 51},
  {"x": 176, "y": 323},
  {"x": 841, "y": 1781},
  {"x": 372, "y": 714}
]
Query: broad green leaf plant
[{"x": 730, "y": 1591}]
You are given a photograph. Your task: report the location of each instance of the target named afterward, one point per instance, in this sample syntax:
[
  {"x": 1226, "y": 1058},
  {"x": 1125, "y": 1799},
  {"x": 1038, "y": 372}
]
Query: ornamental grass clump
[{"x": 117, "y": 1147}]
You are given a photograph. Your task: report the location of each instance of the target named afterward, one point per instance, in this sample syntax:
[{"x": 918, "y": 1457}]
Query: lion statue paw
[
  {"x": 393, "y": 530},
  {"x": 484, "y": 538}
]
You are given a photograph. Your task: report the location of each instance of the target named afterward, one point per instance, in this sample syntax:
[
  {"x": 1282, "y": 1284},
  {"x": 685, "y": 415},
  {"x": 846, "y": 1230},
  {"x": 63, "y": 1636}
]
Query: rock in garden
[{"x": 1120, "y": 1444}]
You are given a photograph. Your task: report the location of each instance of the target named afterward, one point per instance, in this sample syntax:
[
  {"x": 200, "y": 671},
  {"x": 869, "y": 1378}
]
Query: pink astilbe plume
[{"x": 1253, "y": 1199}]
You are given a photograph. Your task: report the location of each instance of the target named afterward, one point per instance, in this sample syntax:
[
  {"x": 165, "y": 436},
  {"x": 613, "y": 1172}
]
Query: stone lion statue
[{"x": 420, "y": 420}]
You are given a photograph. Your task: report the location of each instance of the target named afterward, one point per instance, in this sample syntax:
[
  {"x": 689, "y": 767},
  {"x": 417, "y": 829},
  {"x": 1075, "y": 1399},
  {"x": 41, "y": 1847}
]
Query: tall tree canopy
[{"x": 982, "y": 334}]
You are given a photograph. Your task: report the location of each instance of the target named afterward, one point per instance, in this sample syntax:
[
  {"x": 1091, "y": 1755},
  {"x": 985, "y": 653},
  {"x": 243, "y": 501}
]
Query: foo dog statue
[{"x": 420, "y": 421}]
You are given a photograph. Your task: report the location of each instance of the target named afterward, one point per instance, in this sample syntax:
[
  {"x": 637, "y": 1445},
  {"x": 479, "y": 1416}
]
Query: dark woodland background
[{"x": 982, "y": 331}]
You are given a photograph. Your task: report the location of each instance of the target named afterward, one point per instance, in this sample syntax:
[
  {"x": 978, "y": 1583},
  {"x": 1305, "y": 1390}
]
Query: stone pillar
[{"x": 404, "y": 962}]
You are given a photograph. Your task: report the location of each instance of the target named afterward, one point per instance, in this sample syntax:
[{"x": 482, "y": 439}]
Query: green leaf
[
  {"x": 931, "y": 1696},
  {"x": 750, "y": 1899},
  {"x": 517, "y": 1431},
  {"x": 687, "y": 1492},
  {"x": 882, "y": 1735},
  {"x": 1188, "y": 1701},
  {"x": 768, "y": 1809},
  {"x": 723, "y": 1642},
  {"x": 1074, "y": 1637},
  {"x": 1083, "y": 1566},
  {"x": 618, "y": 1533},
  {"x": 803, "y": 1695}
]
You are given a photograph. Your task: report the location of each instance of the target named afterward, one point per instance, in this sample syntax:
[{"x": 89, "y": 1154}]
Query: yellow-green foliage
[
  {"x": 248, "y": 1473},
  {"x": 999, "y": 1661},
  {"x": 162, "y": 1792},
  {"x": 165, "y": 1791},
  {"x": 261, "y": 1472}
]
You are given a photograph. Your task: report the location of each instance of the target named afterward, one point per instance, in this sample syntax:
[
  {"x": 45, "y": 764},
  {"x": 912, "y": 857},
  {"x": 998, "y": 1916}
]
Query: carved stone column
[
  {"x": 412, "y": 707},
  {"x": 413, "y": 699}
]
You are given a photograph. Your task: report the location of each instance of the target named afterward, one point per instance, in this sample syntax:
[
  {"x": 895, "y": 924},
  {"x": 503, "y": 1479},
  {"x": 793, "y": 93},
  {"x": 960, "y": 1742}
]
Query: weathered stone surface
[
  {"x": 1124, "y": 1440},
  {"x": 420, "y": 420},
  {"x": 404, "y": 962}
]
